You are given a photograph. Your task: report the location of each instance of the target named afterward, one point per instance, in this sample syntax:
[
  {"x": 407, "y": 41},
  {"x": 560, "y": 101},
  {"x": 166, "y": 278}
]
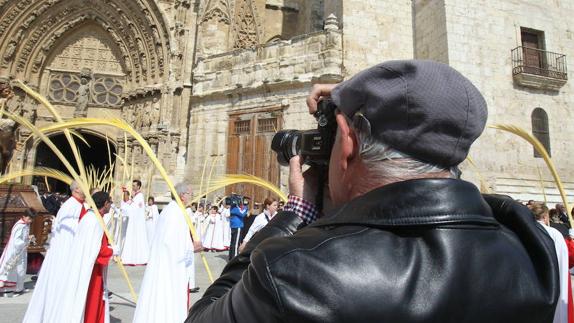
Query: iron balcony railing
[{"x": 539, "y": 62}]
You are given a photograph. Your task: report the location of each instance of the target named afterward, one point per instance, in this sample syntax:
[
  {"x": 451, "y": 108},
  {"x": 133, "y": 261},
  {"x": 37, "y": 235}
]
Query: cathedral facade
[{"x": 208, "y": 82}]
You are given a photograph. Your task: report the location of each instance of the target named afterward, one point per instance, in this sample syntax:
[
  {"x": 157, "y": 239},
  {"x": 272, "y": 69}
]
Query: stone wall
[
  {"x": 299, "y": 60},
  {"x": 276, "y": 75},
  {"x": 375, "y": 31},
  {"x": 481, "y": 35},
  {"x": 430, "y": 30}
]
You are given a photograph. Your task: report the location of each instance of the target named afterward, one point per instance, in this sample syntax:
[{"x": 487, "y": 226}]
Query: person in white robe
[
  {"x": 191, "y": 269},
  {"x": 164, "y": 294},
  {"x": 270, "y": 206},
  {"x": 540, "y": 212},
  {"x": 213, "y": 238},
  {"x": 54, "y": 271},
  {"x": 121, "y": 224},
  {"x": 201, "y": 220},
  {"x": 83, "y": 297},
  {"x": 197, "y": 220},
  {"x": 151, "y": 215},
  {"x": 225, "y": 214},
  {"x": 14, "y": 257},
  {"x": 135, "y": 251}
]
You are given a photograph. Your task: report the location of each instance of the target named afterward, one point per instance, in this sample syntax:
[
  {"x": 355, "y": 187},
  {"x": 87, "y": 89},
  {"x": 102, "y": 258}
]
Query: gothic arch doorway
[{"x": 96, "y": 155}]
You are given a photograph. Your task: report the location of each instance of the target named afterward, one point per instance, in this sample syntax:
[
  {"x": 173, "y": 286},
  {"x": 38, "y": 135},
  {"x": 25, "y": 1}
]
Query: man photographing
[{"x": 407, "y": 241}]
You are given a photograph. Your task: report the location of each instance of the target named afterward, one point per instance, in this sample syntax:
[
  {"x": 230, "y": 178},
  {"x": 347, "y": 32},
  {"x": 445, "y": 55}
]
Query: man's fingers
[
  {"x": 317, "y": 92},
  {"x": 295, "y": 166},
  {"x": 296, "y": 181}
]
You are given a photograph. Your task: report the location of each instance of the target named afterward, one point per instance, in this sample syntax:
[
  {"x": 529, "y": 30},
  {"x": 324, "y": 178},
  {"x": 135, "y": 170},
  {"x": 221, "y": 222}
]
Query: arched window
[{"x": 540, "y": 129}]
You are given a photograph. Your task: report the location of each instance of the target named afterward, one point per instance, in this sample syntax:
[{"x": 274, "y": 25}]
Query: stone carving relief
[
  {"x": 83, "y": 94},
  {"x": 247, "y": 25},
  {"x": 215, "y": 28},
  {"x": 139, "y": 34},
  {"x": 88, "y": 49},
  {"x": 12, "y": 15},
  {"x": 102, "y": 90},
  {"x": 155, "y": 113}
]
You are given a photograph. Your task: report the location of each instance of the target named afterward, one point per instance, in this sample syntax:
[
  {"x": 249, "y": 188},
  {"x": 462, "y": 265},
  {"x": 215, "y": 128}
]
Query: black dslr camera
[{"x": 314, "y": 146}]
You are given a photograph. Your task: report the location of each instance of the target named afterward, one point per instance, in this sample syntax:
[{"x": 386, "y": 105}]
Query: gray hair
[
  {"x": 181, "y": 188},
  {"x": 74, "y": 186},
  {"x": 390, "y": 165}
]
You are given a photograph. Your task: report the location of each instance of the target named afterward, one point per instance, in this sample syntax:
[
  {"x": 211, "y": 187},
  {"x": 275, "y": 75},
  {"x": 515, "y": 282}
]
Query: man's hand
[
  {"x": 197, "y": 246},
  {"x": 303, "y": 185},
  {"x": 318, "y": 91}
]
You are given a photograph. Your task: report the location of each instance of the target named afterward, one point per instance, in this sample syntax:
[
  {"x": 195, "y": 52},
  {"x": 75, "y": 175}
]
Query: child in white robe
[
  {"x": 14, "y": 261},
  {"x": 151, "y": 215},
  {"x": 213, "y": 239}
]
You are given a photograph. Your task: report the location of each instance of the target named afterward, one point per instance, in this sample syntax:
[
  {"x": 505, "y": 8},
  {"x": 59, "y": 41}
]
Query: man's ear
[{"x": 347, "y": 141}]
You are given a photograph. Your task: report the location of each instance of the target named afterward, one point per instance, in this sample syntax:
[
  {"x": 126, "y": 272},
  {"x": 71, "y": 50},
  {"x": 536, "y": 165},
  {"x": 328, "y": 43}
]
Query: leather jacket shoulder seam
[
  {"x": 315, "y": 246},
  {"x": 273, "y": 285}
]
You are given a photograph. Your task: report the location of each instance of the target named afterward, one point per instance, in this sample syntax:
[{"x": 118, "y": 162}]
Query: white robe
[
  {"x": 136, "y": 247},
  {"x": 197, "y": 221},
  {"x": 152, "y": 214},
  {"x": 72, "y": 297},
  {"x": 121, "y": 224},
  {"x": 55, "y": 267},
  {"x": 258, "y": 224},
  {"x": 163, "y": 294},
  {"x": 561, "y": 313},
  {"x": 14, "y": 258},
  {"x": 225, "y": 214},
  {"x": 213, "y": 237}
]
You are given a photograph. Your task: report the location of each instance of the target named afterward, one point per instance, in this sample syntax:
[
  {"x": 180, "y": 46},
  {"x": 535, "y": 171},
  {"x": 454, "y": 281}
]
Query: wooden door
[
  {"x": 531, "y": 44},
  {"x": 249, "y": 151}
]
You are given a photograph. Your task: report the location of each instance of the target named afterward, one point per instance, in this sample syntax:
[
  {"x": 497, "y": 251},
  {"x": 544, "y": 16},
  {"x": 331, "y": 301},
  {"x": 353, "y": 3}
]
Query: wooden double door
[{"x": 249, "y": 151}]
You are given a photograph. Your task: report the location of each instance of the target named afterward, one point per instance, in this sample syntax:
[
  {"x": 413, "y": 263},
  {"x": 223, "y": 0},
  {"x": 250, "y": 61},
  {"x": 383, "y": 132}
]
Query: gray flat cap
[{"x": 425, "y": 109}]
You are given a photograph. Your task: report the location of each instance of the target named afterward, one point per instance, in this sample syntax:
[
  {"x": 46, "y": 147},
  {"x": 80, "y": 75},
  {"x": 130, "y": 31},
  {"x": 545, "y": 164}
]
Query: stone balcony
[
  {"x": 539, "y": 69},
  {"x": 302, "y": 59}
]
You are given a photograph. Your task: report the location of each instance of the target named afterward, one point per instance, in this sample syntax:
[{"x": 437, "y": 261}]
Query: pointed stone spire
[{"x": 331, "y": 23}]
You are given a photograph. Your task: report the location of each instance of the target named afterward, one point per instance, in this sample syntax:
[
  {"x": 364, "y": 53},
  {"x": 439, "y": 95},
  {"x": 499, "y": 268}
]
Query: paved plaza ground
[{"x": 121, "y": 304}]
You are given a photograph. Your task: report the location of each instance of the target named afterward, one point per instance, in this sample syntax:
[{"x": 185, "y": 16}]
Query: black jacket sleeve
[{"x": 244, "y": 292}]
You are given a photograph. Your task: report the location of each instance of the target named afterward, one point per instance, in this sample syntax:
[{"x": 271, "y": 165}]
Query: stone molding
[
  {"x": 539, "y": 81},
  {"x": 29, "y": 30},
  {"x": 303, "y": 59}
]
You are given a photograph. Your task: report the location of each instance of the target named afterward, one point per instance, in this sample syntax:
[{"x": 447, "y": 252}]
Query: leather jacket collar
[{"x": 415, "y": 202}]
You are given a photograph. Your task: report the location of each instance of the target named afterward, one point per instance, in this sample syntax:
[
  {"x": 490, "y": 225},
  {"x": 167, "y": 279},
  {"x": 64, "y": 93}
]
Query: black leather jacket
[{"x": 425, "y": 250}]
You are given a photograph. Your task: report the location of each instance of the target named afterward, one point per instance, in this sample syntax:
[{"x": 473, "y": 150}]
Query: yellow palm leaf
[
  {"x": 230, "y": 179},
  {"x": 122, "y": 125},
  {"x": 38, "y": 171},
  {"x": 82, "y": 180},
  {"x": 542, "y": 151}
]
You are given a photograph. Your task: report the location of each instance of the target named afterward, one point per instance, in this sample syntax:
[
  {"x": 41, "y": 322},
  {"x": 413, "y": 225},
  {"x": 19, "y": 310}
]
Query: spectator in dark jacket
[
  {"x": 406, "y": 241},
  {"x": 238, "y": 214}
]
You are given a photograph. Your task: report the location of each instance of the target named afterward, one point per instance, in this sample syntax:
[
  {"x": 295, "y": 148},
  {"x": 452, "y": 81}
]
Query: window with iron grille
[
  {"x": 540, "y": 130},
  {"x": 242, "y": 126},
  {"x": 267, "y": 125}
]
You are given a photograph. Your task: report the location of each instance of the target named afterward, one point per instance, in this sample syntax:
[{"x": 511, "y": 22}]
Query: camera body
[
  {"x": 314, "y": 145},
  {"x": 236, "y": 199}
]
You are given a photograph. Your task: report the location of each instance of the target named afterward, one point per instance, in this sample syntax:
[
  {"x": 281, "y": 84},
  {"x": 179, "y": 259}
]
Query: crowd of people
[
  {"x": 215, "y": 224},
  {"x": 403, "y": 239},
  {"x": 72, "y": 283}
]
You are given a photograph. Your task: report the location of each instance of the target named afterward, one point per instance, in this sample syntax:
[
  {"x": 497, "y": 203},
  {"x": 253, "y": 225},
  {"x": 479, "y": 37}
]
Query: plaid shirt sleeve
[{"x": 303, "y": 208}]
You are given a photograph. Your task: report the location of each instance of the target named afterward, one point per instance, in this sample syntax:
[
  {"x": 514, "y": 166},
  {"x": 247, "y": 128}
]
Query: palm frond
[
  {"x": 231, "y": 179},
  {"x": 122, "y": 125},
  {"x": 542, "y": 184},
  {"x": 542, "y": 151},
  {"x": 37, "y": 171},
  {"x": 483, "y": 187}
]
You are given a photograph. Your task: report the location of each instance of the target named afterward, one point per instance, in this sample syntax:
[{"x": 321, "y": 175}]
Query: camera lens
[{"x": 286, "y": 144}]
